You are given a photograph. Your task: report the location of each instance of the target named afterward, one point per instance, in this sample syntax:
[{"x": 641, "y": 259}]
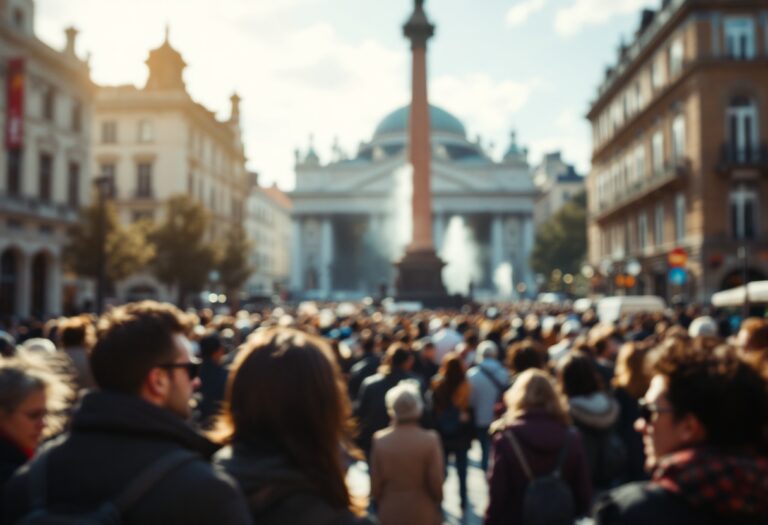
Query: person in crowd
[
  {"x": 130, "y": 427},
  {"x": 7, "y": 344},
  {"x": 703, "y": 326},
  {"x": 569, "y": 331},
  {"x": 703, "y": 422},
  {"x": 450, "y": 396},
  {"x": 468, "y": 349},
  {"x": 595, "y": 413},
  {"x": 538, "y": 421},
  {"x": 286, "y": 423},
  {"x": 371, "y": 409},
  {"x": 629, "y": 385},
  {"x": 489, "y": 380},
  {"x": 366, "y": 366},
  {"x": 407, "y": 463},
  {"x": 30, "y": 396},
  {"x": 753, "y": 335},
  {"x": 606, "y": 343},
  {"x": 213, "y": 378},
  {"x": 424, "y": 364},
  {"x": 523, "y": 355},
  {"x": 76, "y": 337}
]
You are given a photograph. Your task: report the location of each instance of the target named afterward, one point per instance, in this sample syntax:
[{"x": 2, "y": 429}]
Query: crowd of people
[{"x": 149, "y": 415}]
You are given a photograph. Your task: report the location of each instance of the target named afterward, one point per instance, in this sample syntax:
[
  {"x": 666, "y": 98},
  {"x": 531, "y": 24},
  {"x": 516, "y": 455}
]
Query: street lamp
[
  {"x": 743, "y": 256},
  {"x": 103, "y": 186}
]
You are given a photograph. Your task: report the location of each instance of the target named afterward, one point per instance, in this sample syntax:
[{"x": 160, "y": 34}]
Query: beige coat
[{"x": 407, "y": 475}]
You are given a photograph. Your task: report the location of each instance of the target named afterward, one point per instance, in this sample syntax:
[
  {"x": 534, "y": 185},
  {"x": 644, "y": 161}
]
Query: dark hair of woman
[
  {"x": 286, "y": 388},
  {"x": 449, "y": 379},
  {"x": 578, "y": 375}
]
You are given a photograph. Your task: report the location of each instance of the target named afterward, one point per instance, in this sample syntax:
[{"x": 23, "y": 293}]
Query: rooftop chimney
[{"x": 71, "y": 33}]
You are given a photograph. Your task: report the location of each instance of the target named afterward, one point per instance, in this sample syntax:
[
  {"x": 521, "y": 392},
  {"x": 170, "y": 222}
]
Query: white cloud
[
  {"x": 519, "y": 13},
  {"x": 580, "y": 14}
]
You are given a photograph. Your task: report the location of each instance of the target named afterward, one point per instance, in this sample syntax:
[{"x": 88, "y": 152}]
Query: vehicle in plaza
[{"x": 611, "y": 309}]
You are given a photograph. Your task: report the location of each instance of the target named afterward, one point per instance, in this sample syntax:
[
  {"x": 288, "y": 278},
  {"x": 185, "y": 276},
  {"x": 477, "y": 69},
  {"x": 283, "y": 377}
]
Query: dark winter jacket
[
  {"x": 278, "y": 493},
  {"x": 693, "y": 486},
  {"x": 11, "y": 458},
  {"x": 213, "y": 382},
  {"x": 541, "y": 438},
  {"x": 629, "y": 412},
  {"x": 362, "y": 370},
  {"x": 113, "y": 438}
]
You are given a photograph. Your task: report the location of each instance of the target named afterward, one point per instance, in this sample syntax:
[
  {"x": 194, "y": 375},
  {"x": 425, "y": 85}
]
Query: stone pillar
[
  {"x": 24, "y": 285},
  {"x": 438, "y": 231},
  {"x": 497, "y": 244},
  {"x": 528, "y": 239},
  {"x": 326, "y": 256},
  {"x": 297, "y": 257},
  {"x": 55, "y": 284}
]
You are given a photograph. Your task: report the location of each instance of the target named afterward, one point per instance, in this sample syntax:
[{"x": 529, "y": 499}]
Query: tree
[
  {"x": 127, "y": 248},
  {"x": 233, "y": 265},
  {"x": 183, "y": 259},
  {"x": 561, "y": 242}
]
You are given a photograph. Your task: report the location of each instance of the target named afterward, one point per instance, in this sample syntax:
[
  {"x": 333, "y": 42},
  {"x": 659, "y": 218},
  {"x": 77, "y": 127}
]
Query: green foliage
[
  {"x": 561, "y": 242},
  {"x": 233, "y": 265},
  {"x": 127, "y": 248},
  {"x": 183, "y": 258}
]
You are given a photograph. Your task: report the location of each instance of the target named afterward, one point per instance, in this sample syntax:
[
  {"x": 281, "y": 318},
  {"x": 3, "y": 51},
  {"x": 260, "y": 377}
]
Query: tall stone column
[
  {"x": 24, "y": 285},
  {"x": 528, "y": 239},
  {"x": 55, "y": 286},
  {"x": 497, "y": 243},
  {"x": 438, "y": 231},
  {"x": 326, "y": 256},
  {"x": 297, "y": 257}
]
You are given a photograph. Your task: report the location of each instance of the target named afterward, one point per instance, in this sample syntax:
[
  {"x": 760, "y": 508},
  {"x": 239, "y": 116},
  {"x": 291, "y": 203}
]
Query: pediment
[{"x": 385, "y": 180}]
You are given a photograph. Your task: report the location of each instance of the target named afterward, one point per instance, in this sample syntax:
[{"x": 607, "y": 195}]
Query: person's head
[
  {"x": 7, "y": 345},
  {"x": 487, "y": 350},
  {"x": 28, "y": 392},
  {"x": 142, "y": 349},
  {"x": 428, "y": 352},
  {"x": 286, "y": 388},
  {"x": 697, "y": 398},
  {"x": 703, "y": 326},
  {"x": 524, "y": 355},
  {"x": 212, "y": 347},
  {"x": 631, "y": 372},
  {"x": 753, "y": 335},
  {"x": 397, "y": 357},
  {"x": 404, "y": 404},
  {"x": 76, "y": 332},
  {"x": 533, "y": 391},
  {"x": 449, "y": 378},
  {"x": 578, "y": 375}
]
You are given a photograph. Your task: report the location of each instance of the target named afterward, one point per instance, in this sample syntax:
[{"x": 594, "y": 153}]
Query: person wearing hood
[
  {"x": 287, "y": 425},
  {"x": 703, "y": 422},
  {"x": 130, "y": 429},
  {"x": 538, "y": 420},
  {"x": 595, "y": 413}
]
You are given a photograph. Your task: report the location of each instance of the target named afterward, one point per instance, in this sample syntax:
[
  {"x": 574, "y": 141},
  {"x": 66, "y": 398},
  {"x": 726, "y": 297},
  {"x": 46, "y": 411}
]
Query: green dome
[{"x": 440, "y": 120}]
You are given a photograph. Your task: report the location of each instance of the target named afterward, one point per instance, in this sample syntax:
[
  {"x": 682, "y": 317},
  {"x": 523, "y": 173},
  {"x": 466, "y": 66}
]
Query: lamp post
[
  {"x": 743, "y": 256},
  {"x": 103, "y": 185}
]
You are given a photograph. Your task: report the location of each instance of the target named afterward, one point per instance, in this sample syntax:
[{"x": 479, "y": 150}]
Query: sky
[{"x": 332, "y": 69}]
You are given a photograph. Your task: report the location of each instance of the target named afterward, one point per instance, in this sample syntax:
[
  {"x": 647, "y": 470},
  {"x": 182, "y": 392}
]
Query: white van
[{"x": 611, "y": 309}]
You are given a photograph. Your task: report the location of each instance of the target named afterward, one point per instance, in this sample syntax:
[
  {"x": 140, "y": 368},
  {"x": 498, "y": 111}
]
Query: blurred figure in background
[
  {"x": 213, "y": 378},
  {"x": 407, "y": 463},
  {"x": 76, "y": 337}
]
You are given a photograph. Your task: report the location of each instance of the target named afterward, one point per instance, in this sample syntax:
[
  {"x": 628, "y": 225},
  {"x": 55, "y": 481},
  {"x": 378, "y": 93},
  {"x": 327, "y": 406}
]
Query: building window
[
  {"x": 45, "y": 177},
  {"x": 145, "y": 215},
  {"x": 676, "y": 57},
  {"x": 743, "y": 203},
  {"x": 642, "y": 231},
  {"x": 73, "y": 185},
  {"x": 657, "y": 143},
  {"x": 740, "y": 37},
  {"x": 109, "y": 171},
  {"x": 18, "y": 18},
  {"x": 109, "y": 132},
  {"x": 640, "y": 162},
  {"x": 657, "y": 73},
  {"x": 49, "y": 104},
  {"x": 144, "y": 180},
  {"x": 679, "y": 218},
  {"x": 658, "y": 225},
  {"x": 146, "y": 131},
  {"x": 678, "y": 137},
  {"x": 191, "y": 184},
  {"x": 743, "y": 133},
  {"x": 77, "y": 116},
  {"x": 13, "y": 175}
]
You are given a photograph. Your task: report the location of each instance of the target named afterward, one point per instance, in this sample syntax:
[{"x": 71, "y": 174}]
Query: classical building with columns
[
  {"x": 44, "y": 162},
  {"x": 155, "y": 142},
  {"x": 351, "y": 217}
]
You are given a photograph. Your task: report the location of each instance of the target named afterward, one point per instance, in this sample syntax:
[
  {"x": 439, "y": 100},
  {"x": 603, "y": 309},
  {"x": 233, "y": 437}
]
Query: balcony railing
[
  {"x": 33, "y": 207},
  {"x": 735, "y": 157}
]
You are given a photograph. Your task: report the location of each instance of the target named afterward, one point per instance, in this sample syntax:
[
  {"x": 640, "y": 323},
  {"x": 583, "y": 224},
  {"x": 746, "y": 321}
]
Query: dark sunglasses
[
  {"x": 647, "y": 410},
  {"x": 192, "y": 368}
]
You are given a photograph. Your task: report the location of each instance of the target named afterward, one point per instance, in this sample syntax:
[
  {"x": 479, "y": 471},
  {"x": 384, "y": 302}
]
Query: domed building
[{"x": 352, "y": 216}]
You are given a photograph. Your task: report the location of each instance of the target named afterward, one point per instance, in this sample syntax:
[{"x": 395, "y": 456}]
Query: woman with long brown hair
[
  {"x": 286, "y": 422},
  {"x": 452, "y": 416}
]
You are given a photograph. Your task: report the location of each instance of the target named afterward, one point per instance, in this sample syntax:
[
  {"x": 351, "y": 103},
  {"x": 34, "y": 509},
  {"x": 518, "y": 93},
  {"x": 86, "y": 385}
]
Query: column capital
[{"x": 418, "y": 29}]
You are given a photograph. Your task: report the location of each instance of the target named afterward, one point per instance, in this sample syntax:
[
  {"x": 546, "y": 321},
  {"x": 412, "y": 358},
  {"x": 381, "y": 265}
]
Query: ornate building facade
[
  {"x": 155, "y": 142},
  {"x": 44, "y": 162},
  {"x": 351, "y": 217}
]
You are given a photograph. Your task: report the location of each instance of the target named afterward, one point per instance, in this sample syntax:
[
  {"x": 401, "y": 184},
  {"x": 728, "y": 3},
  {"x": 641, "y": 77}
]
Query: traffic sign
[
  {"x": 678, "y": 276},
  {"x": 677, "y": 258}
]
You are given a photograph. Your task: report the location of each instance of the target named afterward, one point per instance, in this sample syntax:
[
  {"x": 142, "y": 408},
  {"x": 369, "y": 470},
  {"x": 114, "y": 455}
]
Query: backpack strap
[
  {"x": 496, "y": 382},
  {"x": 519, "y": 454},
  {"x": 149, "y": 477}
]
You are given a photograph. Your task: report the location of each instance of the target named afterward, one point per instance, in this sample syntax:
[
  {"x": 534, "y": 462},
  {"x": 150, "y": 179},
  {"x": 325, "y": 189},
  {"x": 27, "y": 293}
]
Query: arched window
[
  {"x": 743, "y": 132},
  {"x": 743, "y": 205}
]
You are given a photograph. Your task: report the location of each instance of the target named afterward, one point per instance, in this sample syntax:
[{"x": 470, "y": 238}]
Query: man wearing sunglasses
[
  {"x": 124, "y": 432},
  {"x": 703, "y": 422}
]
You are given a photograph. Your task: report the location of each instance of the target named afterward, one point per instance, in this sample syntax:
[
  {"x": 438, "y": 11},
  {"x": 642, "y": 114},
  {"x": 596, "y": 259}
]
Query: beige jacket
[{"x": 407, "y": 475}]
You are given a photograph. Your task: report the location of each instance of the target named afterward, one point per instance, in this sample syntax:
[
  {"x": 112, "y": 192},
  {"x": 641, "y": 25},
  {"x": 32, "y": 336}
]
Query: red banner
[{"x": 14, "y": 128}]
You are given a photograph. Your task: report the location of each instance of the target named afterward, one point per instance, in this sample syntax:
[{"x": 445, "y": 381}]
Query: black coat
[
  {"x": 278, "y": 493},
  {"x": 213, "y": 383},
  {"x": 11, "y": 458},
  {"x": 115, "y": 437},
  {"x": 641, "y": 503}
]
